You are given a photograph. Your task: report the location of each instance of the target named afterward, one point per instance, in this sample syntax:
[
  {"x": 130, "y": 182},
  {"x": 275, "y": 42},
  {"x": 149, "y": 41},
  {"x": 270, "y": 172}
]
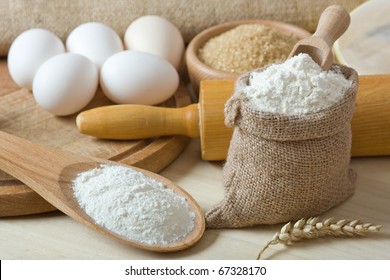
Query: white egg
[
  {"x": 65, "y": 84},
  {"x": 158, "y": 36},
  {"x": 27, "y": 53},
  {"x": 94, "y": 40},
  {"x": 138, "y": 78}
]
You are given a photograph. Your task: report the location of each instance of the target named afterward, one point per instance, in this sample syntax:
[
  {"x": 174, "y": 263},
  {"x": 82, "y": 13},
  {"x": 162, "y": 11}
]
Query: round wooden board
[{"x": 20, "y": 116}]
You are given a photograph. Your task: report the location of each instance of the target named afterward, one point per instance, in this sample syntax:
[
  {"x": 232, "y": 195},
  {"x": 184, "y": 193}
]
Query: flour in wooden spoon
[
  {"x": 297, "y": 86},
  {"x": 133, "y": 205}
]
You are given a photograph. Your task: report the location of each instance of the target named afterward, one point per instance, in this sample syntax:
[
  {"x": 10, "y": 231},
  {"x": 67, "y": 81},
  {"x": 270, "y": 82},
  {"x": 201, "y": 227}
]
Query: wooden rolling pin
[{"x": 370, "y": 123}]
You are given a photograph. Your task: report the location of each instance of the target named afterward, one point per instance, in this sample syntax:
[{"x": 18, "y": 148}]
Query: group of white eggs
[{"x": 65, "y": 78}]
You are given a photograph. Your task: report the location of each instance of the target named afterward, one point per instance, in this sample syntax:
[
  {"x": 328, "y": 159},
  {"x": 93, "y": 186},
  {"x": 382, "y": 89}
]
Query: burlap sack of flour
[
  {"x": 281, "y": 168},
  {"x": 190, "y": 16}
]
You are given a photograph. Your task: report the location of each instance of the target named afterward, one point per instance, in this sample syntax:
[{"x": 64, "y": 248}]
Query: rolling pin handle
[{"x": 132, "y": 122}]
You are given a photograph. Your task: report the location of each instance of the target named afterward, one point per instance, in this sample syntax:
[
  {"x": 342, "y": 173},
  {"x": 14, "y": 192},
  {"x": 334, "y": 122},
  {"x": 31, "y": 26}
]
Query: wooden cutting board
[{"x": 20, "y": 116}]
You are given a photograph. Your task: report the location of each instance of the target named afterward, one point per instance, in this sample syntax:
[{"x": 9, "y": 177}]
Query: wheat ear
[{"x": 314, "y": 228}]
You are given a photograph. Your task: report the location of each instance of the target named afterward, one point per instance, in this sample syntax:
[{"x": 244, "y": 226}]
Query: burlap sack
[
  {"x": 281, "y": 168},
  {"x": 190, "y": 16}
]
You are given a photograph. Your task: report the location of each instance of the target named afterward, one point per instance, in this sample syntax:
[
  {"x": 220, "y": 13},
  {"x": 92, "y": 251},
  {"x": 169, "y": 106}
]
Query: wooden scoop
[
  {"x": 370, "y": 122},
  {"x": 333, "y": 22},
  {"x": 50, "y": 173}
]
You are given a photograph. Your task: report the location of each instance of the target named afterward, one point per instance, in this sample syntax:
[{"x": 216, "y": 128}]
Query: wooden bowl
[{"x": 198, "y": 71}]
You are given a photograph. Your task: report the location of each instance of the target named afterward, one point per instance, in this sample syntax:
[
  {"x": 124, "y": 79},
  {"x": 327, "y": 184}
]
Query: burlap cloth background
[{"x": 190, "y": 16}]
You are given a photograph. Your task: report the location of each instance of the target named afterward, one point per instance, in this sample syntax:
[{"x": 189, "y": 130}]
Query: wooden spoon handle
[
  {"x": 40, "y": 168},
  {"x": 20, "y": 158},
  {"x": 334, "y": 21},
  {"x": 139, "y": 121}
]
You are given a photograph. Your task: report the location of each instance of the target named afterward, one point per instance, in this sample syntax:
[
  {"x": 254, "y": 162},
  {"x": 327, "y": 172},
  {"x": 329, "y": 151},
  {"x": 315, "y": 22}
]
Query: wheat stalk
[{"x": 314, "y": 228}]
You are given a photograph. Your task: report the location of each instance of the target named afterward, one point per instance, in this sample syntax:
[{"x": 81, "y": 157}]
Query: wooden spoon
[
  {"x": 50, "y": 173},
  {"x": 334, "y": 21}
]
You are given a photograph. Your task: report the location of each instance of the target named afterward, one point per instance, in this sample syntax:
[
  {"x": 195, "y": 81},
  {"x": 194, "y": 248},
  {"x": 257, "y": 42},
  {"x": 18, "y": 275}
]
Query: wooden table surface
[{"x": 55, "y": 236}]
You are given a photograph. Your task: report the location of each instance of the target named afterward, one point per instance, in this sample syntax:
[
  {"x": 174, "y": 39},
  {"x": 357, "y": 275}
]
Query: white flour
[
  {"x": 133, "y": 205},
  {"x": 297, "y": 86}
]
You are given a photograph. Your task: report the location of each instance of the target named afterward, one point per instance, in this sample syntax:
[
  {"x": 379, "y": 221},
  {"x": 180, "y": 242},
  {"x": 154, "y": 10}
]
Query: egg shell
[
  {"x": 133, "y": 77},
  {"x": 94, "y": 40},
  {"x": 29, "y": 51},
  {"x": 65, "y": 84},
  {"x": 158, "y": 36}
]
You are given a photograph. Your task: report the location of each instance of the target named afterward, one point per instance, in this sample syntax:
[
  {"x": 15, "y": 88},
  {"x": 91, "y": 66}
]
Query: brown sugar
[{"x": 246, "y": 47}]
